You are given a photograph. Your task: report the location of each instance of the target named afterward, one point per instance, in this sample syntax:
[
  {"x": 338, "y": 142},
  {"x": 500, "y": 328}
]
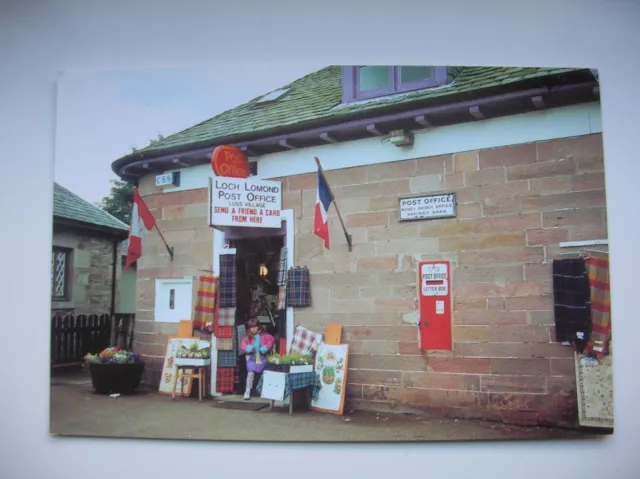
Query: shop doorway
[{"x": 257, "y": 259}]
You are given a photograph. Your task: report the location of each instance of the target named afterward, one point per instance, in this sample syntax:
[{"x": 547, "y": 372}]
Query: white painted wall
[{"x": 544, "y": 125}]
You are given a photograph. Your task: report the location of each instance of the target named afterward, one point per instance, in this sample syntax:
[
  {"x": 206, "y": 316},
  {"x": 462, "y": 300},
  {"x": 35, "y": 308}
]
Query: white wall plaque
[
  {"x": 246, "y": 202},
  {"x": 427, "y": 207}
]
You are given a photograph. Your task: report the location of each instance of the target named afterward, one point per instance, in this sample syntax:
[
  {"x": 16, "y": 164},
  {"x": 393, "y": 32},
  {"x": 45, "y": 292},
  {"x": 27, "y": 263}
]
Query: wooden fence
[{"x": 75, "y": 335}]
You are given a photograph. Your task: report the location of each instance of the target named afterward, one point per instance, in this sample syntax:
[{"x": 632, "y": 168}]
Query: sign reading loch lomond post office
[
  {"x": 427, "y": 207},
  {"x": 246, "y": 202}
]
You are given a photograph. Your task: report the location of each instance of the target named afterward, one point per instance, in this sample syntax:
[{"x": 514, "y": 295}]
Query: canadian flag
[{"x": 140, "y": 216}]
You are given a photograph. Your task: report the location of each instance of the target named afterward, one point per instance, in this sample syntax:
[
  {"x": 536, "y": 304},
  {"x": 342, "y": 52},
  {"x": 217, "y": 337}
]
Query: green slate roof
[
  {"x": 313, "y": 99},
  {"x": 71, "y": 207}
]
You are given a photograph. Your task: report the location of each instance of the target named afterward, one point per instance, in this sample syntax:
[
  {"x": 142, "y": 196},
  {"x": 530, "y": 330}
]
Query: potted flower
[
  {"x": 278, "y": 363},
  {"x": 115, "y": 370}
]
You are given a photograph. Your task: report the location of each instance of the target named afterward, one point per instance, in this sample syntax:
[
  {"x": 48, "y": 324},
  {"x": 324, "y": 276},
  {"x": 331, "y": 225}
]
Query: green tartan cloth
[{"x": 295, "y": 381}]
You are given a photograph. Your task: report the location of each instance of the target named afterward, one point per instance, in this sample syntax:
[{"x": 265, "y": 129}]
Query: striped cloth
[
  {"x": 205, "y": 309},
  {"x": 282, "y": 272},
  {"x": 598, "y": 270},
  {"x": 227, "y": 317},
  {"x": 225, "y": 380},
  {"x": 282, "y": 297},
  {"x": 227, "y": 282},
  {"x": 298, "y": 288},
  {"x": 227, "y": 359}
]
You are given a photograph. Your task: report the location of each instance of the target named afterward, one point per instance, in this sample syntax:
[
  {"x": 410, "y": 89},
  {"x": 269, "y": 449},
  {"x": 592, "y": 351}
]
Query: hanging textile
[
  {"x": 205, "y": 309},
  {"x": 224, "y": 332},
  {"x": 299, "y": 288},
  {"x": 227, "y": 359},
  {"x": 227, "y": 317},
  {"x": 227, "y": 282},
  {"x": 225, "y": 379},
  {"x": 305, "y": 341},
  {"x": 572, "y": 314},
  {"x": 598, "y": 272},
  {"x": 282, "y": 272},
  {"x": 241, "y": 332}
]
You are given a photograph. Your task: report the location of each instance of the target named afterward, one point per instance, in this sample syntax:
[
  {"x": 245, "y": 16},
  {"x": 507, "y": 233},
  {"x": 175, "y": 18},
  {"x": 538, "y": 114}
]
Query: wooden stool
[{"x": 199, "y": 373}]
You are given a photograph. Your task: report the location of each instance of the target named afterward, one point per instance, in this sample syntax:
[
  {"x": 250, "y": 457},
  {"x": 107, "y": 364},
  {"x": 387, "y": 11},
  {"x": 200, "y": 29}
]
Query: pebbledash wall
[{"x": 523, "y": 184}]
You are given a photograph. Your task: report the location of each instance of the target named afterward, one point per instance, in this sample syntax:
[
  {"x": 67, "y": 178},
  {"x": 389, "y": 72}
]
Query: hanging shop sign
[
  {"x": 246, "y": 202},
  {"x": 427, "y": 207},
  {"x": 230, "y": 162}
]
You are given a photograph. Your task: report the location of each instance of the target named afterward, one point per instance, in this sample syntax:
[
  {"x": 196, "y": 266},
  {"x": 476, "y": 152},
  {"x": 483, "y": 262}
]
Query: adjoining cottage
[
  {"x": 520, "y": 149},
  {"x": 87, "y": 274}
]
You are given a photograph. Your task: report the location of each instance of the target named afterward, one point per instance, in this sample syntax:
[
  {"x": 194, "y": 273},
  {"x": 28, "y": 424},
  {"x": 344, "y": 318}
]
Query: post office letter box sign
[{"x": 435, "y": 305}]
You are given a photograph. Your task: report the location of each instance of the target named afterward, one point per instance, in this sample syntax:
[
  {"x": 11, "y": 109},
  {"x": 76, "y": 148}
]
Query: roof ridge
[{"x": 79, "y": 198}]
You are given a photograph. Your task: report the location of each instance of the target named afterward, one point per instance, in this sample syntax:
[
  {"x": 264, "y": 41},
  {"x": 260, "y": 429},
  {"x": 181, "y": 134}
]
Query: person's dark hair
[{"x": 252, "y": 323}]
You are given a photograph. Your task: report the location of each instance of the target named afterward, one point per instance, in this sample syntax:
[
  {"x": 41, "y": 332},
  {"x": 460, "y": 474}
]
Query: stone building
[
  {"x": 86, "y": 248},
  {"x": 521, "y": 148}
]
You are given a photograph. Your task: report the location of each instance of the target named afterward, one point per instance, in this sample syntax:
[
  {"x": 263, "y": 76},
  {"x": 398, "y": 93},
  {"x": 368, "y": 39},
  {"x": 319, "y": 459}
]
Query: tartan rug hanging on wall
[{"x": 299, "y": 287}]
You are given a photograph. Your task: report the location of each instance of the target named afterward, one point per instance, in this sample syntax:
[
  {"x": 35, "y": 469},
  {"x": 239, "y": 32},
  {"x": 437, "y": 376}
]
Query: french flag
[{"x": 323, "y": 202}]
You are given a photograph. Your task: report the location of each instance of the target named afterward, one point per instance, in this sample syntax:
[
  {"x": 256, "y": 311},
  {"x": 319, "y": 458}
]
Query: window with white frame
[{"x": 371, "y": 81}]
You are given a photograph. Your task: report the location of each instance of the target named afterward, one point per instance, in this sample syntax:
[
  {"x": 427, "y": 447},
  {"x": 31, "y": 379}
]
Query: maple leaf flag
[
  {"x": 323, "y": 202},
  {"x": 141, "y": 220}
]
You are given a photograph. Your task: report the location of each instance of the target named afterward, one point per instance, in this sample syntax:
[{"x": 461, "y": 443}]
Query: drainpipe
[{"x": 113, "y": 292}]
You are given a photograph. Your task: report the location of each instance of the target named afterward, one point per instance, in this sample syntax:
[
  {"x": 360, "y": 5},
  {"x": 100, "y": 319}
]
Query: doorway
[{"x": 257, "y": 260}]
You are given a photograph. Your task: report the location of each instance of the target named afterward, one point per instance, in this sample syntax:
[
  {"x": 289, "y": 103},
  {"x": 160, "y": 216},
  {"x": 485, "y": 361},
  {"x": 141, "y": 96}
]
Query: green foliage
[{"x": 119, "y": 201}]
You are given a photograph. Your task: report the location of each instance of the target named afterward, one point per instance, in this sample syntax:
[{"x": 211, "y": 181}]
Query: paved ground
[{"x": 77, "y": 411}]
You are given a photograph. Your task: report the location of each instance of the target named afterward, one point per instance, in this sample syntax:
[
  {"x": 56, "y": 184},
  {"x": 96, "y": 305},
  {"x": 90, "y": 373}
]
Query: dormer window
[{"x": 363, "y": 82}]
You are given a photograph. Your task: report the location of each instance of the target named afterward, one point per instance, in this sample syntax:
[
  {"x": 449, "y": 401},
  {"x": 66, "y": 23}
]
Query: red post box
[{"x": 435, "y": 305}]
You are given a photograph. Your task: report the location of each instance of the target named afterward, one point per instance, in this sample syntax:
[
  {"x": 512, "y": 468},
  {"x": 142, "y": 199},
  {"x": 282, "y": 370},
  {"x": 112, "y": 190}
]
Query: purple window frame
[{"x": 350, "y": 81}]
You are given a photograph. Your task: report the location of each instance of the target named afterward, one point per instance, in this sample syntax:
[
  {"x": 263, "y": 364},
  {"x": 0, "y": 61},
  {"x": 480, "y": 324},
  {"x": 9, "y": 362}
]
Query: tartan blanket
[
  {"x": 205, "y": 309},
  {"x": 293, "y": 382},
  {"x": 305, "y": 341},
  {"x": 298, "y": 288},
  {"x": 227, "y": 282},
  {"x": 241, "y": 332},
  {"x": 227, "y": 316},
  {"x": 598, "y": 271},
  {"x": 224, "y": 332},
  {"x": 282, "y": 272},
  {"x": 227, "y": 359},
  {"x": 225, "y": 344},
  {"x": 572, "y": 315},
  {"x": 225, "y": 380}
]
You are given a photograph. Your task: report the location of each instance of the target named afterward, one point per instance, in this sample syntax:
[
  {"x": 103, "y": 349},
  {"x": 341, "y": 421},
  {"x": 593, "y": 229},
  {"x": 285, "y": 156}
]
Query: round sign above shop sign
[{"x": 230, "y": 162}]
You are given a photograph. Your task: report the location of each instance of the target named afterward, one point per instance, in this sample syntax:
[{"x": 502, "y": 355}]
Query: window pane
[
  {"x": 415, "y": 74},
  {"x": 59, "y": 270},
  {"x": 373, "y": 78}
]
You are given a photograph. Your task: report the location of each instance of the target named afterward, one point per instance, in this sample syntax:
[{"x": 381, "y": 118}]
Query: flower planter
[
  {"x": 277, "y": 368},
  {"x": 304, "y": 368},
  {"x": 121, "y": 378}
]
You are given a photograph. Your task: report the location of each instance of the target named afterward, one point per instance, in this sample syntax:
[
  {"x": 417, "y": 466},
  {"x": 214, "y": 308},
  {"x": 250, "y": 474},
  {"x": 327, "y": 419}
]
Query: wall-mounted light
[
  {"x": 263, "y": 270},
  {"x": 401, "y": 138}
]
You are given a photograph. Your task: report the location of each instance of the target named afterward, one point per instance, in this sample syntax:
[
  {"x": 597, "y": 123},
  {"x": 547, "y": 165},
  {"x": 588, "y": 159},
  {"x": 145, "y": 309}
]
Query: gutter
[{"x": 120, "y": 166}]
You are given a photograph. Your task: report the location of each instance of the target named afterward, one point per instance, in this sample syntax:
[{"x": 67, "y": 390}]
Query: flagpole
[
  {"x": 347, "y": 235},
  {"x": 169, "y": 249}
]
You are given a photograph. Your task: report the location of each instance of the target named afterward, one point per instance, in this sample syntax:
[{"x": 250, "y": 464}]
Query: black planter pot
[{"x": 116, "y": 378}]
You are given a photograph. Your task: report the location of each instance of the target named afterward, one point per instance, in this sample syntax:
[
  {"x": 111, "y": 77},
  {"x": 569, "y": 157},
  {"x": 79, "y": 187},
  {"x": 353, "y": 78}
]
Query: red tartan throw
[{"x": 225, "y": 380}]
